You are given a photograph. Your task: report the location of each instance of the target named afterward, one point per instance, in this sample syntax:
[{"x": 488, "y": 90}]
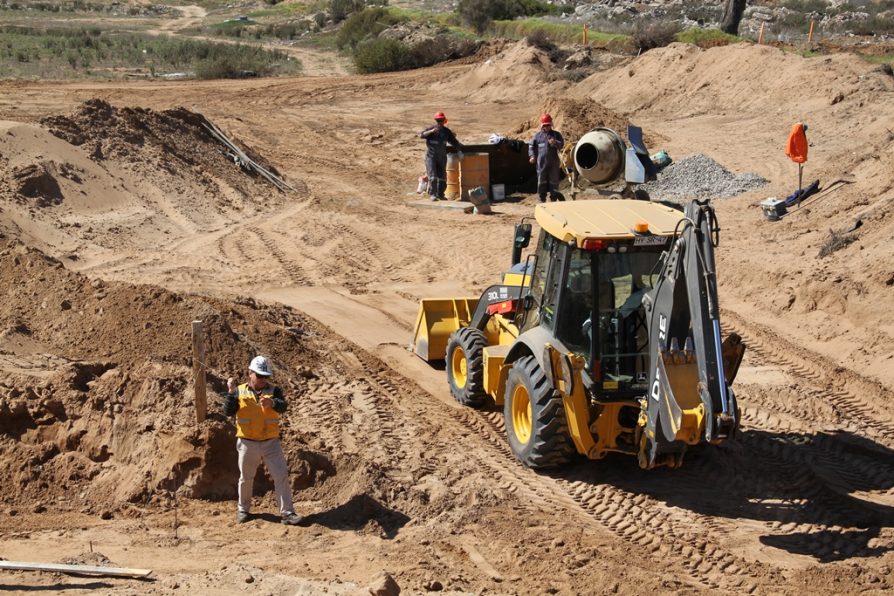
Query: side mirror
[{"x": 521, "y": 240}]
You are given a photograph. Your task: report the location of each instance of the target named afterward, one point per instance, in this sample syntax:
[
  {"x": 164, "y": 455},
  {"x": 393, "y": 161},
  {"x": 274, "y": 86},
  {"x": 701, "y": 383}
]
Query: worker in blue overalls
[
  {"x": 436, "y": 138},
  {"x": 544, "y": 150}
]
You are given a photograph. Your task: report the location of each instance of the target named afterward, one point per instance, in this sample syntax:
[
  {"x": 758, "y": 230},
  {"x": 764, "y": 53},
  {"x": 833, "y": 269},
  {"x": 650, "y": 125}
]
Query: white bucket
[{"x": 498, "y": 192}]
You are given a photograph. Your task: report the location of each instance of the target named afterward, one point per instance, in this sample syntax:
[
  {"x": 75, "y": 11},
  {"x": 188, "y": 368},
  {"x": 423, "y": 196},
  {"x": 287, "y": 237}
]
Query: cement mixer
[{"x": 601, "y": 157}]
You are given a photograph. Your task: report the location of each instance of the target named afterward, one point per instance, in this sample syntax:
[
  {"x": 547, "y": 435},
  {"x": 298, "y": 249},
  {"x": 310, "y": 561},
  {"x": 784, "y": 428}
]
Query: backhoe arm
[{"x": 689, "y": 398}]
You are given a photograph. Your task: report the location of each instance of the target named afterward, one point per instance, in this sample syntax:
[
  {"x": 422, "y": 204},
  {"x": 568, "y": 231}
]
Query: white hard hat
[{"x": 261, "y": 366}]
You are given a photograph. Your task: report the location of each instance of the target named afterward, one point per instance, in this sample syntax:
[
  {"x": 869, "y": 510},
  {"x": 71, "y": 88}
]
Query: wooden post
[
  {"x": 760, "y": 36},
  {"x": 810, "y": 34},
  {"x": 584, "y": 34},
  {"x": 198, "y": 370}
]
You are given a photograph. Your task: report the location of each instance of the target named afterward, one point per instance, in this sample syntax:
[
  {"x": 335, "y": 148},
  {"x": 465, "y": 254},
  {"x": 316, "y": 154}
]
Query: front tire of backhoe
[
  {"x": 535, "y": 417},
  {"x": 465, "y": 366}
]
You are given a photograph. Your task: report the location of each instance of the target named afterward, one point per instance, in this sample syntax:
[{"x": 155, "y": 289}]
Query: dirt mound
[
  {"x": 575, "y": 117},
  {"x": 97, "y": 410},
  {"x": 37, "y": 181},
  {"x": 686, "y": 80},
  {"x": 119, "y": 177},
  {"x": 177, "y": 142},
  {"x": 96, "y": 405},
  {"x": 515, "y": 70}
]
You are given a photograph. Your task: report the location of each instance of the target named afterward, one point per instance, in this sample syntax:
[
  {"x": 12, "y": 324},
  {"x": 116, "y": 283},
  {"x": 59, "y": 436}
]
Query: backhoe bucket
[
  {"x": 437, "y": 319},
  {"x": 682, "y": 414},
  {"x": 676, "y": 407}
]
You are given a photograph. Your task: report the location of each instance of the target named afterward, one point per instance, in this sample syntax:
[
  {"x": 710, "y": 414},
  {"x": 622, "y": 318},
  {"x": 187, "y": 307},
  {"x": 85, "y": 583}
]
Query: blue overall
[
  {"x": 436, "y": 158},
  {"x": 547, "y": 163}
]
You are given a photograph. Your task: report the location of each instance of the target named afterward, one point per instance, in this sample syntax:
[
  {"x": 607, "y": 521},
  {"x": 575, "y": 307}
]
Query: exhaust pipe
[{"x": 599, "y": 155}]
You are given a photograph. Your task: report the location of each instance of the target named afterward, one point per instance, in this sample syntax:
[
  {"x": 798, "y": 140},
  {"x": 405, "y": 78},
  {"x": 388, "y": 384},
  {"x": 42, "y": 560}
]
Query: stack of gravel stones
[{"x": 700, "y": 177}]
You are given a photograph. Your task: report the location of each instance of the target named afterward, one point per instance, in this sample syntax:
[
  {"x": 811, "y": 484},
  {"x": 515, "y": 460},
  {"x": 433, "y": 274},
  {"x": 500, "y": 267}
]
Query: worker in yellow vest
[{"x": 257, "y": 406}]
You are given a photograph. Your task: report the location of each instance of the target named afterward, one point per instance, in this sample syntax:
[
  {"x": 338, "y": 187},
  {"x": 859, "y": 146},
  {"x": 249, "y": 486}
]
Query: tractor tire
[
  {"x": 465, "y": 366},
  {"x": 535, "y": 417}
]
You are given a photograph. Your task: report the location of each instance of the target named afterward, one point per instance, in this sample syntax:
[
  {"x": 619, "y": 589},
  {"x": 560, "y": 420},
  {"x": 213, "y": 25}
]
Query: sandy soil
[{"x": 123, "y": 221}]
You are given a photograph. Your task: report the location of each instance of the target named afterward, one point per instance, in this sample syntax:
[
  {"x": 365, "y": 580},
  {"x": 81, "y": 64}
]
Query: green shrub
[
  {"x": 443, "y": 47},
  {"x": 539, "y": 38},
  {"x": 559, "y": 33},
  {"x": 647, "y": 36},
  {"x": 706, "y": 38},
  {"x": 45, "y": 50},
  {"x": 383, "y": 55},
  {"x": 340, "y": 9},
  {"x": 479, "y": 14},
  {"x": 870, "y": 26},
  {"x": 364, "y": 25},
  {"x": 228, "y": 61}
]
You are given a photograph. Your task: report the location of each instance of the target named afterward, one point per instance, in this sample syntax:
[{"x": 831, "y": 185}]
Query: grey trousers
[
  {"x": 436, "y": 168},
  {"x": 548, "y": 182},
  {"x": 251, "y": 454}
]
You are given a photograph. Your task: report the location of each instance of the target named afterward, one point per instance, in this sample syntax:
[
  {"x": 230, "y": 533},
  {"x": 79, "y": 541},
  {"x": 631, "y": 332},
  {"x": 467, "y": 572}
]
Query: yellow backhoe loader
[{"x": 606, "y": 338}]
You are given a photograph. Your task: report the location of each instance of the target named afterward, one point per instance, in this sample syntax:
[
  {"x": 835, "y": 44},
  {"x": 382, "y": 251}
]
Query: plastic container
[{"x": 497, "y": 192}]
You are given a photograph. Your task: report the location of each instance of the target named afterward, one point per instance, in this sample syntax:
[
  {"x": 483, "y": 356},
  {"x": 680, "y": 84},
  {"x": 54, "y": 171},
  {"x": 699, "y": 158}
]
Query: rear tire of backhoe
[
  {"x": 465, "y": 366},
  {"x": 535, "y": 417}
]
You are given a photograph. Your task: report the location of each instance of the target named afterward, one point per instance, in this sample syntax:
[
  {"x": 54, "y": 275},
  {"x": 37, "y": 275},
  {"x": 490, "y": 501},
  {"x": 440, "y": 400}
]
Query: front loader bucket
[{"x": 437, "y": 319}]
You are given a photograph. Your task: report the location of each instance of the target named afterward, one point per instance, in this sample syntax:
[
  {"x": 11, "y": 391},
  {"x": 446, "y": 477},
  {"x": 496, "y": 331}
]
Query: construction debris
[
  {"x": 244, "y": 161},
  {"x": 76, "y": 569}
]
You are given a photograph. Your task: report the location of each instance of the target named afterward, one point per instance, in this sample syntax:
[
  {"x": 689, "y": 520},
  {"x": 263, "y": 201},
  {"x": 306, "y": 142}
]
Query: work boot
[
  {"x": 291, "y": 519},
  {"x": 242, "y": 517}
]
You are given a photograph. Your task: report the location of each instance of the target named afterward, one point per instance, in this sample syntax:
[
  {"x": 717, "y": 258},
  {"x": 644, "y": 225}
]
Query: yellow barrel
[
  {"x": 452, "y": 190},
  {"x": 475, "y": 171}
]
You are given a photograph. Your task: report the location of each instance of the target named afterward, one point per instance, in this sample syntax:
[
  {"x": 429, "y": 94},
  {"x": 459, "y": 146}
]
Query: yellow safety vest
[{"x": 253, "y": 421}]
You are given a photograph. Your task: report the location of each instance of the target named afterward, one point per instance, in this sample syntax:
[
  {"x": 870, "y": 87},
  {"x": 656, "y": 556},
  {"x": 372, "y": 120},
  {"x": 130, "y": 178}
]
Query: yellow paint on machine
[
  {"x": 437, "y": 319},
  {"x": 605, "y": 218}
]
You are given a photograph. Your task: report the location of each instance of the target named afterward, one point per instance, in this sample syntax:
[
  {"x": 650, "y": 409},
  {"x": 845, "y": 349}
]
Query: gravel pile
[{"x": 700, "y": 177}]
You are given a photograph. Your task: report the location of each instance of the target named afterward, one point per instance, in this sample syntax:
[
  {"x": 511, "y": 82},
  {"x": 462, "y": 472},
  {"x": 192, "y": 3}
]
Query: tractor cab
[{"x": 588, "y": 296}]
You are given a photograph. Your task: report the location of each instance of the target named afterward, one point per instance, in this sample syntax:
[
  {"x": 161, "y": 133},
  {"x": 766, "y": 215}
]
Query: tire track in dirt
[
  {"x": 852, "y": 465},
  {"x": 294, "y": 271},
  {"x": 510, "y": 479},
  {"x": 361, "y": 252},
  {"x": 376, "y": 405},
  {"x": 319, "y": 402},
  {"x": 849, "y": 463},
  {"x": 641, "y": 520},
  {"x": 820, "y": 514},
  {"x": 848, "y": 405},
  {"x": 686, "y": 538}
]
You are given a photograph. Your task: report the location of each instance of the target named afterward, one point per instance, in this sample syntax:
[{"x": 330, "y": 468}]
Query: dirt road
[{"x": 394, "y": 475}]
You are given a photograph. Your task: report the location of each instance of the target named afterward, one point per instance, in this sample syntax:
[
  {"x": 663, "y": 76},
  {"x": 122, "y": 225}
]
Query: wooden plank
[
  {"x": 79, "y": 569},
  {"x": 198, "y": 371}
]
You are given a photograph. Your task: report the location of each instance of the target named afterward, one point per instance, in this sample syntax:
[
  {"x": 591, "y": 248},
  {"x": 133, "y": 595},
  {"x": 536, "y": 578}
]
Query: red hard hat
[
  {"x": 440, "y": 116},
  {"x": 546, "y": 119}
]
